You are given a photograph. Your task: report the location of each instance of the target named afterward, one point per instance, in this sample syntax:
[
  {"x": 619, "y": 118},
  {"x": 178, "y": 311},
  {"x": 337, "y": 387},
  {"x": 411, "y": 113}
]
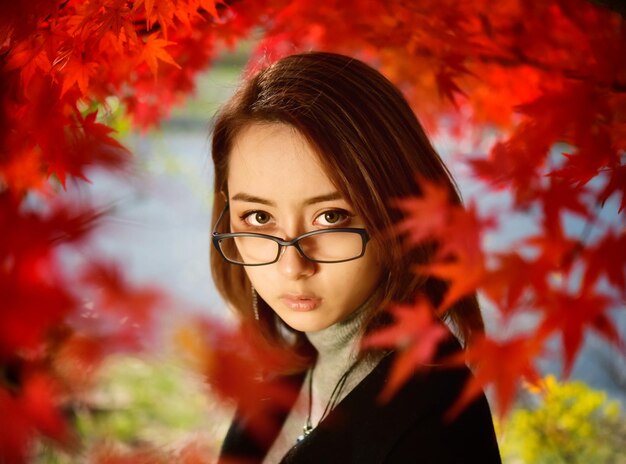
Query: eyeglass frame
[{"x": 217, "y": 237}]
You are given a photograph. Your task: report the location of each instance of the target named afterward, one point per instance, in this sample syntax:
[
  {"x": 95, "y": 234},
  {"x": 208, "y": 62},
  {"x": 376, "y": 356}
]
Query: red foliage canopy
[{"x": 549, "y": 75}]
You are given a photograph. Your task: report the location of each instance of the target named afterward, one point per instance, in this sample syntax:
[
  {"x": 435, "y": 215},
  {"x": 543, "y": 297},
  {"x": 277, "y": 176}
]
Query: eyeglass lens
[{"x": 328, "y": 247}]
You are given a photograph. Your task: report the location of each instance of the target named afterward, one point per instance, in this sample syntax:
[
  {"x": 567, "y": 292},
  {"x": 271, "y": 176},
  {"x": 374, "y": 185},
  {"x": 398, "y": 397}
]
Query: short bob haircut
[{"x": 371, "y": 145}]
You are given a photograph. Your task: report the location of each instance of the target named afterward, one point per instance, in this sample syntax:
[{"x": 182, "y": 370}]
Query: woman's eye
[
  {"x": 333, "y": 217},
  {"x": 257, "y": 218}
]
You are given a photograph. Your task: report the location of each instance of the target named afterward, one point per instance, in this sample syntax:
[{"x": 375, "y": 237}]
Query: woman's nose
[{"x": 293, "y": 265}]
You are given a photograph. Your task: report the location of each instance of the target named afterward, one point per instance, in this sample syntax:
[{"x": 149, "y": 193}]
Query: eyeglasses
[{"x": 320, "y": 246}]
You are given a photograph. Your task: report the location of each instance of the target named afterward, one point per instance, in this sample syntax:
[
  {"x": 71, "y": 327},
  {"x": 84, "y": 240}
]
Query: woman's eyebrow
[
  {"x": 241, "y": 196},
  {"x": 252, "y": 199},
  {"x": 321, "y": 198}
]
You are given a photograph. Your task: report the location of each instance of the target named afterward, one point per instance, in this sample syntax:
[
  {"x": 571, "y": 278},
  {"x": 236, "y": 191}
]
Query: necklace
[{"x": 332, "y": 401}]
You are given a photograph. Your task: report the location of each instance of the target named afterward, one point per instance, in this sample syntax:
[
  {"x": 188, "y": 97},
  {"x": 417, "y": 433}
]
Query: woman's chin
[{"x": 306, "y": 322}]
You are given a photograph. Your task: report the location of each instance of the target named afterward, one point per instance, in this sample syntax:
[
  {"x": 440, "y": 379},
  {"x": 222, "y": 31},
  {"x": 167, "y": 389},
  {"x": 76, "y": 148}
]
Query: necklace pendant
[{"x": 306, "y": 430}]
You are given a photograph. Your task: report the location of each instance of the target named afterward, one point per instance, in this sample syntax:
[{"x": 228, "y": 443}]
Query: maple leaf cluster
[
  {"x": 51, "y": 334},
  {"x": 550, "y": 76},
  {"x": 61, "y": 62},
  {"x": 544, "y": 284}
]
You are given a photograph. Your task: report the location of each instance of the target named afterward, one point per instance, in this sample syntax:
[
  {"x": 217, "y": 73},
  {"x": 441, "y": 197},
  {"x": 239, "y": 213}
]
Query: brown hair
[{"x": 370, "y": 144}]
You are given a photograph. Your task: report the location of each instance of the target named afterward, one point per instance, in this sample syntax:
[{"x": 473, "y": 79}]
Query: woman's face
[{"x": 277, "y": 187}]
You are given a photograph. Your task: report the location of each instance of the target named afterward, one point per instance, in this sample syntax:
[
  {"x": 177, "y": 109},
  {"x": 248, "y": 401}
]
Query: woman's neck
[
  {"x": 341, "y": 337},
  {"x": 337, "y": 354}
]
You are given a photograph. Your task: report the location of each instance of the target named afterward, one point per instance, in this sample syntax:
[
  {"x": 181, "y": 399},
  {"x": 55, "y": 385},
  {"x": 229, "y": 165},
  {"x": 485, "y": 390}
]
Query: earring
[{"x": 255, "y": 304}]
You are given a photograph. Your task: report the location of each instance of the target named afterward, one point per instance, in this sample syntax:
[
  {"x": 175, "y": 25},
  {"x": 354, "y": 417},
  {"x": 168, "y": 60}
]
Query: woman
[{"x": 309, "y": 154}]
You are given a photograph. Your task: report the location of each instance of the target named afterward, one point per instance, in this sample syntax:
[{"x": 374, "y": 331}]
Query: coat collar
[{"x": 362, "y": 429}]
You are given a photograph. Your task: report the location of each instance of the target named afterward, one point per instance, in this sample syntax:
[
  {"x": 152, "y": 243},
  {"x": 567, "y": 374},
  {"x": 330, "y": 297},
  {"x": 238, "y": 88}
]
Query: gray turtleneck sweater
[{"x": 337, "y": 348}]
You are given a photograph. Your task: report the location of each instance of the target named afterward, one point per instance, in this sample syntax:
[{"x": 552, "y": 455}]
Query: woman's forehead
[{"x": 275, "y": 161}]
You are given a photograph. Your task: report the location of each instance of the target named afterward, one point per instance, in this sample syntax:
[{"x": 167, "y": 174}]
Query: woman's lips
[{"x": 301, "y": 302}]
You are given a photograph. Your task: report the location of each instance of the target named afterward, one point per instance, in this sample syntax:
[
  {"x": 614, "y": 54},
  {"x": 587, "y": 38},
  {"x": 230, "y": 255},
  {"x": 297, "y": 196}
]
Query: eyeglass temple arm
[{"x": 221, "y": 216}]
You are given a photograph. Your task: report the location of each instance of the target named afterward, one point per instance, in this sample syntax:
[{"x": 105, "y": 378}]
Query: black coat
[{"x": 408, "y": 429}]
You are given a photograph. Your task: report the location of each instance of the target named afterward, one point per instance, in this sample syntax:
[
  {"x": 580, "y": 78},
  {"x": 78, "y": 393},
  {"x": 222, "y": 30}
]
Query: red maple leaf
[
  {"x": 115, "y": 294},
  {"x": 34, "y": 299},
  {"x": 23, "y": 170},
  {"x": 67, "y": 141},
  {"x": 29, "y": 57},
  {"x": 460, "y": 259},
  {"x": 458, "y": 232},
  {"x": 15, "y": 434},
  {"x": 416, "y": 333},
  {"x": 76, "y": 70},
  {"x": 94, "y": 145},
  {"x": 115, "y": 311},
  {"x": 514, "y": 164},
  {"x": 596, "y": 151},
  {"x": 512, "y": 276},
  {"x": 210, "y": 6},
  {"x": 161, "y": 12},
  {"x": 425, "y": 217},
  {"x": 240, "y": 366},
  {"x": 40, "y": 403},
  {"x": 31, "y": 308},
  {"x": 556, "y": 250},
  {"x": 448, "y": 88},
  {"x": 464, "y": 274},
  {"x": 617, "y": 183},
  {"x": 501, "y": 364},
  {"x": 110, "y": 17},
  {"x": 77, "y": 357},
  {"x": 154, "y": 51},
  {"x": 558, "y": 197},
  {"x": 571, "y": 315},
  {"x": 607, "y": 257},
  {"x": 20, "y": 19},
  {"x": 34, "y": 409}
]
